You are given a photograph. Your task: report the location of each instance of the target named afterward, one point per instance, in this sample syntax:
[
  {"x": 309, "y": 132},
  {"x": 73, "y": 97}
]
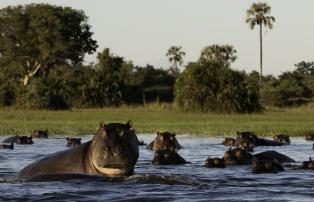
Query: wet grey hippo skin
[
  {"x": 113, "y": 151},
  {"x": 18, "y": 140},
  {"x": 165, "y": 140}
]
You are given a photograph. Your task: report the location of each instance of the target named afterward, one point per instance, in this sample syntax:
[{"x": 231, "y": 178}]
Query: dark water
[{"x": 190, "y": 182}]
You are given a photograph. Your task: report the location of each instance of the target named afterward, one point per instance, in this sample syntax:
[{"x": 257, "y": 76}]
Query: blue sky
[{"x": 143, "y": 30}]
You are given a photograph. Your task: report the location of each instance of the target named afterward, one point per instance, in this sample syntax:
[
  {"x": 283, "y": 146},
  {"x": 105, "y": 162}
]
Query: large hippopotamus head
[
  {"x": 114, "y": 149},
  {"x": 266, "y": 166},
  {"x": 163, "y": 141},
  {"x": 167, "y": 157},
  {"x": 281, "y": 138}
]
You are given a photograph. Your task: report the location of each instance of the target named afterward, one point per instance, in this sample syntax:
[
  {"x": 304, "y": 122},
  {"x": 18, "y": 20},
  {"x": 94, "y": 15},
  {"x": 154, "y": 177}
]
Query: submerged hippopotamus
[
  {"x": 266, "y": 166},
  {"x": 251, "y": 138},
  {"x": 141, "y": 142},
  {"x": 282, "y": 139},
  {"x": 19, "y": 140},
  {"x": 73, "y": 142},
  {"x": 309, "y": 137},
  {"x": 167, "y": 157},
  {"x": 113, "y": 151},
  {"x": 308, "y": 164},
  {"x": 40, "y": 134},
  {"x": 7, "y": 146},
  {"x": 242, "y": 157},
  {"x": 229, "y": 141},
  {"x": 215, "y": 163},
  {"x": 165, "y": 140}
]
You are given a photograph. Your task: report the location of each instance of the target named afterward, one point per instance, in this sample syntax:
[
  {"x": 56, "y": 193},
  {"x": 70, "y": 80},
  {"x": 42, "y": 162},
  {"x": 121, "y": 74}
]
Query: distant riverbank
[{"x": 294, "y": 122}]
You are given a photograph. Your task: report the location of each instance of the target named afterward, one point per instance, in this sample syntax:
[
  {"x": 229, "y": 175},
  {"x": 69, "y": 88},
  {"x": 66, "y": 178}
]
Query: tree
[
  {"x": 305, "y": 68},
  {"x": 211, "y": 85},
  {"x": 40, "y": 36},
  {"x": 257, "y": 15},
  {"x": 175, "y": 55},
  {"x": 219, "y": 53}
]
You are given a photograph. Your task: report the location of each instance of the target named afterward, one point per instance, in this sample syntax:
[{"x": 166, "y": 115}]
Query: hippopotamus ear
[
  {"x": 174, "y": 134},
  {"x": 158, "y": 133},
  {"x": 67, "y": 139},
  {"x": 129, "y": 124},
  {"x": 102, "y": 125}
]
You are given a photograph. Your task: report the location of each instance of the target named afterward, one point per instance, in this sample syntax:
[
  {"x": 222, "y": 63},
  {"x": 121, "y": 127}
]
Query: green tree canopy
[
  {"x": 219, "y": 53},
  {"x": 175, "y": 55},
  {"x": 258, "y": 14},
  {"x": 39, "y": 36}
]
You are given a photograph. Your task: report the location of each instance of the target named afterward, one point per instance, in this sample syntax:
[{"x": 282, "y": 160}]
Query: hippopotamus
[
  {"x": 266, "y": 166},
  {"x": 249, "y": 147},
  {"x": 141, "y": 142},
  {"x": 73, "y": 142},
  {"x": 283, "y": 139},
  {"x": 19, "y": 140},
  {"x": 309, "y": 137},
  {"x": 229, "y": 141},
  {"x": 250, "y": 137},
  {"x": 167, "y": 157},
  {"x": 215, "y": 163},
  {"x": 242, "y": 157},
  {"x": 40, "y": 134},
  {"x": 308, "y": 164},
  {"x": 7, "y": 146},
  {"x": 113, "y": 151},
  {"x": 165, "y": 140}
]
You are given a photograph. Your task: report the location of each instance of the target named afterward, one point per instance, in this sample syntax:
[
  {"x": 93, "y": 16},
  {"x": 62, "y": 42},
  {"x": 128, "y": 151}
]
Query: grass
[{"x": 294, "y": 122}]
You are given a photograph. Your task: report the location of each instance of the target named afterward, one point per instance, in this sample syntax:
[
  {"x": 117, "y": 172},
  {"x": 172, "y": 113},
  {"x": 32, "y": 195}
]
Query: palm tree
[
  {"x": 257, "y": 15},
  {"x": 175, "y": 55}
]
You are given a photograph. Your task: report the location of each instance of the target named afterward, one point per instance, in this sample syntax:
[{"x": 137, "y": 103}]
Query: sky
[{"x": 143, "y": 30}]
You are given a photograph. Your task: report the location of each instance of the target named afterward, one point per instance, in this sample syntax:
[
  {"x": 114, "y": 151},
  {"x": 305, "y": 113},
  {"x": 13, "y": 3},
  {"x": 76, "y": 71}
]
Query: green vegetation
[
  {"x": 294, "y": 121},
  {"x": 210, "y": 85}
]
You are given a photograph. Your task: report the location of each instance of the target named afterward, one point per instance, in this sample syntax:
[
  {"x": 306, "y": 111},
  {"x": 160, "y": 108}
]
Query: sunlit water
[{"x": 190, "y": 182}]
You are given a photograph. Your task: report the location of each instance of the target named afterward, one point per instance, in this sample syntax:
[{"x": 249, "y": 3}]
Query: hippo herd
[{"x": 114, "y": 151}]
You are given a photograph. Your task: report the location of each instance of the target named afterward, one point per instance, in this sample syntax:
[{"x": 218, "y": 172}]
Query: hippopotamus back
[{"x": 70, "y": 161}]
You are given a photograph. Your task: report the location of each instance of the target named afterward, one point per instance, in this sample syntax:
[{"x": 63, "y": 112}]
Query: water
[{"x": 190, "y": 182}]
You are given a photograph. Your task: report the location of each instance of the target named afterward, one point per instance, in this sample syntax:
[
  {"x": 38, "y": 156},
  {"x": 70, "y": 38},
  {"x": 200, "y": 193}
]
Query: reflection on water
[{"x": 164, "y": 183}]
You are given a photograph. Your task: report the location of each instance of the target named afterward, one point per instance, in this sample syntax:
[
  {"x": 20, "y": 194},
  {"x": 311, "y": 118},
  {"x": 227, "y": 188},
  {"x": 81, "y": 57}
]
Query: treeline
[
  {"x": 109, "y": 83},
  {"x": 42, "y": 50}
]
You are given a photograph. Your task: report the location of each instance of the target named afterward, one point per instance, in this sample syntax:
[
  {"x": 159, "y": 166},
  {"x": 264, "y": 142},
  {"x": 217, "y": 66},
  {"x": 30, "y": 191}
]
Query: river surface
[{"x": 190, "y": 182}]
